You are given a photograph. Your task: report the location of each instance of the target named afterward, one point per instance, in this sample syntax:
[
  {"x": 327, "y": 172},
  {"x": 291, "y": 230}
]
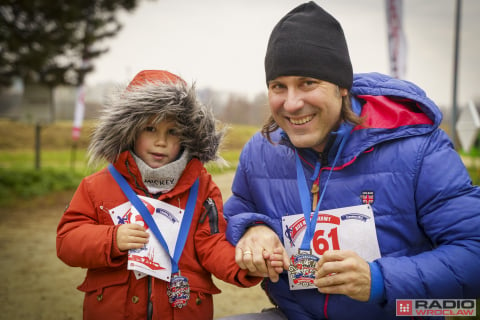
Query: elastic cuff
[
  {"x": 377, "y": 287},
  {"x": 115, "y": 252},
  {"x": 244, "y": 280}
]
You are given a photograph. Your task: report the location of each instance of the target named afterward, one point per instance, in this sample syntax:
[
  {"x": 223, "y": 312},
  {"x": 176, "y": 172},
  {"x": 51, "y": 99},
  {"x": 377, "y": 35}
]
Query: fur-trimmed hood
[{"x": 159, "y": 95}]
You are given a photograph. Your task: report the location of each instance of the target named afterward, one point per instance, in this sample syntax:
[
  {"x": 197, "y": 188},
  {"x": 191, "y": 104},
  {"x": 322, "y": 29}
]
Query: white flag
[
  {"x": 79, "y": 112},
  {"x": 396, "y": 38}
]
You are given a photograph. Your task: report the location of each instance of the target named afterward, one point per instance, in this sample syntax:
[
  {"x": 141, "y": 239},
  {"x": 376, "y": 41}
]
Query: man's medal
[
  {"x": 302, "y": 264},
  {"x": 302, "y": 268}
]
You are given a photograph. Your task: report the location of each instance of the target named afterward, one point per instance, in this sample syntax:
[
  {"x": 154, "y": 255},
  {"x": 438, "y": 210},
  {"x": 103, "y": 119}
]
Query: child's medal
[{"x": 178, "y": 291}]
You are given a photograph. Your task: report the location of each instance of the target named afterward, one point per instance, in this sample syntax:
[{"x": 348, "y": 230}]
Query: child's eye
[
  {"x": 150, "y": 129},
  {"x": 173, "y": 132}
]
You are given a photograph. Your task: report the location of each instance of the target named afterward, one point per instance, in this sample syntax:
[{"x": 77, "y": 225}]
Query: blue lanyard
[
  {"x": 147, "y": 217},
  {"x": 343, "y": 134}
]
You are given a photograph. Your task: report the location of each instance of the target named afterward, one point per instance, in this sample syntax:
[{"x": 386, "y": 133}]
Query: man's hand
[
  {"x": 261, "y": 252},
  {"x": 131, "y": 236},
  {"x": 343, "y": 272}
]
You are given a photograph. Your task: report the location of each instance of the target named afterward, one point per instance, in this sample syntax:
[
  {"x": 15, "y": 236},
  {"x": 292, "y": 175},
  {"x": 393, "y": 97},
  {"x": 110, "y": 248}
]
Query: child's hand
[
  {"x": 131, "y": 236},
  {"x": 278, "y": 260}
]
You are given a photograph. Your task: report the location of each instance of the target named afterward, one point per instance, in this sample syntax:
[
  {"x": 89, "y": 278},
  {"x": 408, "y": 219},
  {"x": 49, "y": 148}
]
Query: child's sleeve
[
  {"x": 82, "y": 240},
  {"x": 216, "y": 254}
]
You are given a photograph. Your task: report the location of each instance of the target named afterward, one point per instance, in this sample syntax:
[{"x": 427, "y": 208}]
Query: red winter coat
[{"x": 86, "y": 237}]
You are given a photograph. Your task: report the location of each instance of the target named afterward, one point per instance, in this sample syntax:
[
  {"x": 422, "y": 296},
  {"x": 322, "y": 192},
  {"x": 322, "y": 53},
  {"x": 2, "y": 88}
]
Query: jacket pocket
[
  {"x": 105, "y": 293},
  {"x": 199, "y": 307}
]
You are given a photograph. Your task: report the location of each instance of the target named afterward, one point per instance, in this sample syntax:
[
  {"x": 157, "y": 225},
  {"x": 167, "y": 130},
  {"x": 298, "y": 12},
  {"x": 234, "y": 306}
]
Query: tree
[{"x": 53, "y": 43}]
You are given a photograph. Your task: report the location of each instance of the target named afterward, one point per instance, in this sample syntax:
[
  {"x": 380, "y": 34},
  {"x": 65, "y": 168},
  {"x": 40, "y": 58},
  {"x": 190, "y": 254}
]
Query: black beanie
[{"x": 309, "y": 42}]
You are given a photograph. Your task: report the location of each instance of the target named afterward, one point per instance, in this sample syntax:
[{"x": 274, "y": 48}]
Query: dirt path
[{"x": 36, "y": 285}]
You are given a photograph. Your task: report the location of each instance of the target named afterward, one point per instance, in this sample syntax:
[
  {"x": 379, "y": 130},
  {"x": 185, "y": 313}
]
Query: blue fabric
[
  {"x": 427, "y": 213},
  {"x": 377, "y": 290}
]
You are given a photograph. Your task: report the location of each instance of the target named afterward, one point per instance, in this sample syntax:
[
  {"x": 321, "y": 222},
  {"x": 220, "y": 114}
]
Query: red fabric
[
  {"x": 86, "y": 238},
  {"x": 388, "y": 113},
  {"x": 146, "y": 76}
]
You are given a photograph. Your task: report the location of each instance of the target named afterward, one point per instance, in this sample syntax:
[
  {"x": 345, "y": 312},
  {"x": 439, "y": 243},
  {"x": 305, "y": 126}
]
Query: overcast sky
[{"x": 221, "y": 43}]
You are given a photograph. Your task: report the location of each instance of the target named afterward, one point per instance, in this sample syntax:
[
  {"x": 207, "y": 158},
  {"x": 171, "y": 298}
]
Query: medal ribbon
[
  {"x": 147, "y": 217},
  {"x": 343, "y": 134}
]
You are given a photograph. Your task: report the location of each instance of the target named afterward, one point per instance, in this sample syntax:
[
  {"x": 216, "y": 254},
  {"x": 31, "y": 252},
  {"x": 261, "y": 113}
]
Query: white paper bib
[
  {"x": 152, "y": 259},
  {"x": 349, "y": 228}
]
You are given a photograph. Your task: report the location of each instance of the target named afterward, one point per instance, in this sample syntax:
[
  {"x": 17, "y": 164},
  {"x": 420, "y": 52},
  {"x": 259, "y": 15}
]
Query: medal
[
  {"x": 302, "y": 268},
  {"x": 178, "y": 291}
]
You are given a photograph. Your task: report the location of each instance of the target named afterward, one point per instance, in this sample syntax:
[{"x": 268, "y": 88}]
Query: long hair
[{"x": 346, "y": 114}]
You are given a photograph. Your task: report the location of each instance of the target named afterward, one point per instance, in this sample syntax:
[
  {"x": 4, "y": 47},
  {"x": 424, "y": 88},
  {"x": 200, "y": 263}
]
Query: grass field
[{"x": 63, "y": 163}]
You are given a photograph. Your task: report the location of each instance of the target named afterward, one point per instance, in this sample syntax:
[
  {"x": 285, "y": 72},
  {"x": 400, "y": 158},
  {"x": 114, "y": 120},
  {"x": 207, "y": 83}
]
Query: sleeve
[
  {"x": 212, "y": 245},
  {"x": 448, "y": 211},
  {"x": 240, "y": 209},
  {"x": 82, "y": 240}
]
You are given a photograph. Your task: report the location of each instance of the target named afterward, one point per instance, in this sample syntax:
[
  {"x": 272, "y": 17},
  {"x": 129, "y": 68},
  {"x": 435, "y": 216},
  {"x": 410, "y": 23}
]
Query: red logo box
[{"x": 404, "y": 308}]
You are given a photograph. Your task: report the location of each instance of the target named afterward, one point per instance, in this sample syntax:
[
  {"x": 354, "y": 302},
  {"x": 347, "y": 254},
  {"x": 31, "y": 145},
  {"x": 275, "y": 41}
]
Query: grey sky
[{"x": 221, "y": 43}]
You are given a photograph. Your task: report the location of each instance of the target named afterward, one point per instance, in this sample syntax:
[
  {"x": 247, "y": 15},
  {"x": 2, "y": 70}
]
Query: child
[{"x": 157, "y": 136}]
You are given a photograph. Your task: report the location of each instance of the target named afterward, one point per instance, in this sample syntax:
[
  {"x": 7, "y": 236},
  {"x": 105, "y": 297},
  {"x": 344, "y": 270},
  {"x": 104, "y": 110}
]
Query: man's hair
[{"x": 346, "y": 115}]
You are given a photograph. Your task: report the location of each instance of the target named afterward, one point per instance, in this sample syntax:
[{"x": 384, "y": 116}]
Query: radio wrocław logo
[{"x": 436, "y": 307}]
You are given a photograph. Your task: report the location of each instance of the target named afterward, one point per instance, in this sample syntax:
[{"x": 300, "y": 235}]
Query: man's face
[{"x": 307, "y": 109}]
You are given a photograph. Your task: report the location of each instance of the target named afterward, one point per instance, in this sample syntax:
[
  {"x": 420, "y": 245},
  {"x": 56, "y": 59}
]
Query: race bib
[
  {"x": 152, "y": 259},
  {"x": 349, "y": 228}
]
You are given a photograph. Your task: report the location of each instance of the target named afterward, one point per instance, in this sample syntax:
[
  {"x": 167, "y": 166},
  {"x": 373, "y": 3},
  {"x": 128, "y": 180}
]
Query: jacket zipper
[{"x": 149, "y": 299}]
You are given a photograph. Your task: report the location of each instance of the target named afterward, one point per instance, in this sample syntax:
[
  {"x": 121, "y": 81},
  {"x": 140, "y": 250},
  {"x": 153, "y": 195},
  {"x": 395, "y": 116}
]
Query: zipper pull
[
  {"x": 316, "y": 182},
  {"x": 314, "y": 191}
]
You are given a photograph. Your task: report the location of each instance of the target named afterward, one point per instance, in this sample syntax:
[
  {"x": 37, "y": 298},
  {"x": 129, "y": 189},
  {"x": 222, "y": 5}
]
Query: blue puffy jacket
[{"x": 427, "y": 212}]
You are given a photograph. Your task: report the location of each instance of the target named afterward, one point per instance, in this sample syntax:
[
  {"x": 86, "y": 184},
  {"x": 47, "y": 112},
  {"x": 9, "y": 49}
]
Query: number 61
[{"x": 321, "y": 243}]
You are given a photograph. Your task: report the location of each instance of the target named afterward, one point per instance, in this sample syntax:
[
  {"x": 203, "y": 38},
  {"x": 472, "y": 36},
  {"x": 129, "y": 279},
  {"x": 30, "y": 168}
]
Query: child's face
[{"x": 158, "y": 145}]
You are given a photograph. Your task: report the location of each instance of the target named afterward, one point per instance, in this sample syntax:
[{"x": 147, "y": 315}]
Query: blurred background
[{"x": 60, "y": 61}]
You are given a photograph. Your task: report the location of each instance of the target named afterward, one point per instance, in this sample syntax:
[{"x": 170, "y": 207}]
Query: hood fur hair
[{"x": 129, "y": 111}]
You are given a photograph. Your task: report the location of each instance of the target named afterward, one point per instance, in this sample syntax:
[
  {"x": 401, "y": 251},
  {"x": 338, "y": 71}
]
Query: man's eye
[
  {"x": 310, "y": 82},
  {"x": 275, "y": 86}
]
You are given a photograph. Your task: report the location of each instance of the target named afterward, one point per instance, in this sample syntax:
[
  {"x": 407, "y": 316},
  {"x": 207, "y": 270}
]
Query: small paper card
[
  {"x": 152, "y": 259},
  {"x": 349, "y": 228}
]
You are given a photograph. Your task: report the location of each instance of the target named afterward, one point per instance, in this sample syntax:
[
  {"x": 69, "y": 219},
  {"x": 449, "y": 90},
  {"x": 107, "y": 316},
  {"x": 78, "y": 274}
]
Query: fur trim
[{"x": 130, "y": 110}]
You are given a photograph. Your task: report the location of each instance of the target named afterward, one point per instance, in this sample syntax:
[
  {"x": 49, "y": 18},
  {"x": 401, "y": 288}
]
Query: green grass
[{"x": 62, "y": 167}]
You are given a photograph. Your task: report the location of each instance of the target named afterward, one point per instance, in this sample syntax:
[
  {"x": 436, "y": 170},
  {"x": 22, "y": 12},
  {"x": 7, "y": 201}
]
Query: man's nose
[{"x": 293, "y": 101}]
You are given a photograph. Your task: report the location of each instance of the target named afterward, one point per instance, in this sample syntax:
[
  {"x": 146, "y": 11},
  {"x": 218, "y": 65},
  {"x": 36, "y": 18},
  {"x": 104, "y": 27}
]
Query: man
[{"x": 352, "y": 171}]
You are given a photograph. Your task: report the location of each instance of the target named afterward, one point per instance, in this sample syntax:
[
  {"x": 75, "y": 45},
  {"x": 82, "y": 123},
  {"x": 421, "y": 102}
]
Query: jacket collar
[{"x": 128, "y": 168}]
